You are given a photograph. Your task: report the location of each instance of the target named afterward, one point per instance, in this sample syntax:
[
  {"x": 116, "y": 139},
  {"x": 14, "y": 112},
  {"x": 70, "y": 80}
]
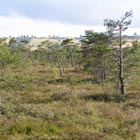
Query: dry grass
[{"x": 74, "y": 108}]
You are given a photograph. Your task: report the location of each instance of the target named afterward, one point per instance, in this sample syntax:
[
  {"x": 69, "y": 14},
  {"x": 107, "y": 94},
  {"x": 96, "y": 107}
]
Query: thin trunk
[
  {"x": 121, "y": 67},
  {"x": 59, "y": 66},
  {"x": 102, "y": 76},
  {"x": 103, "y": 71},
  {"x": 71, "y": 57},
  {"x": 79, "y": 65}
]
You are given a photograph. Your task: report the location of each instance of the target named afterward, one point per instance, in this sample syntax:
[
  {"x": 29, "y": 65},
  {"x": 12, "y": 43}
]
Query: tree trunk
[
  {"x": 121, "y": 67},
  {"x": 103, "y": 74},
  {"x": 59, "y": 66},
  {"x": 71, "y": 57}
]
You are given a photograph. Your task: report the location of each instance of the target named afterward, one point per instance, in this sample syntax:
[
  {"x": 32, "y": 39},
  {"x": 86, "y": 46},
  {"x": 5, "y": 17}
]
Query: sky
[{"x": 68, "y": 18}]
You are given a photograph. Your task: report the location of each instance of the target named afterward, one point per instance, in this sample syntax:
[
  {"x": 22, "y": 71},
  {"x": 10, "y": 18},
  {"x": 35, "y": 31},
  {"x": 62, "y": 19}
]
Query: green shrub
[
  {"x": 7, "y": 110},
  {"x": 18, "y": 81}
]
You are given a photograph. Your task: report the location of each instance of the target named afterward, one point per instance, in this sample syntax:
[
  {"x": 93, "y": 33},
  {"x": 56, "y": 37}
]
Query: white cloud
[
  {"x": 88, "y": 12},
  {"x": 16, "y": 25}
]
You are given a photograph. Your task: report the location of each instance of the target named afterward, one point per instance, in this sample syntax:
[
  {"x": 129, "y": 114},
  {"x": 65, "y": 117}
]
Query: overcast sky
[{"x": 63, "y": 17}]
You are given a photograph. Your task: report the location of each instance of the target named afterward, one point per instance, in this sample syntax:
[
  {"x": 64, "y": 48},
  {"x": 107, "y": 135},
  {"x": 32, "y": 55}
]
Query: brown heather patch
[{"x": 110, "y": 111}]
